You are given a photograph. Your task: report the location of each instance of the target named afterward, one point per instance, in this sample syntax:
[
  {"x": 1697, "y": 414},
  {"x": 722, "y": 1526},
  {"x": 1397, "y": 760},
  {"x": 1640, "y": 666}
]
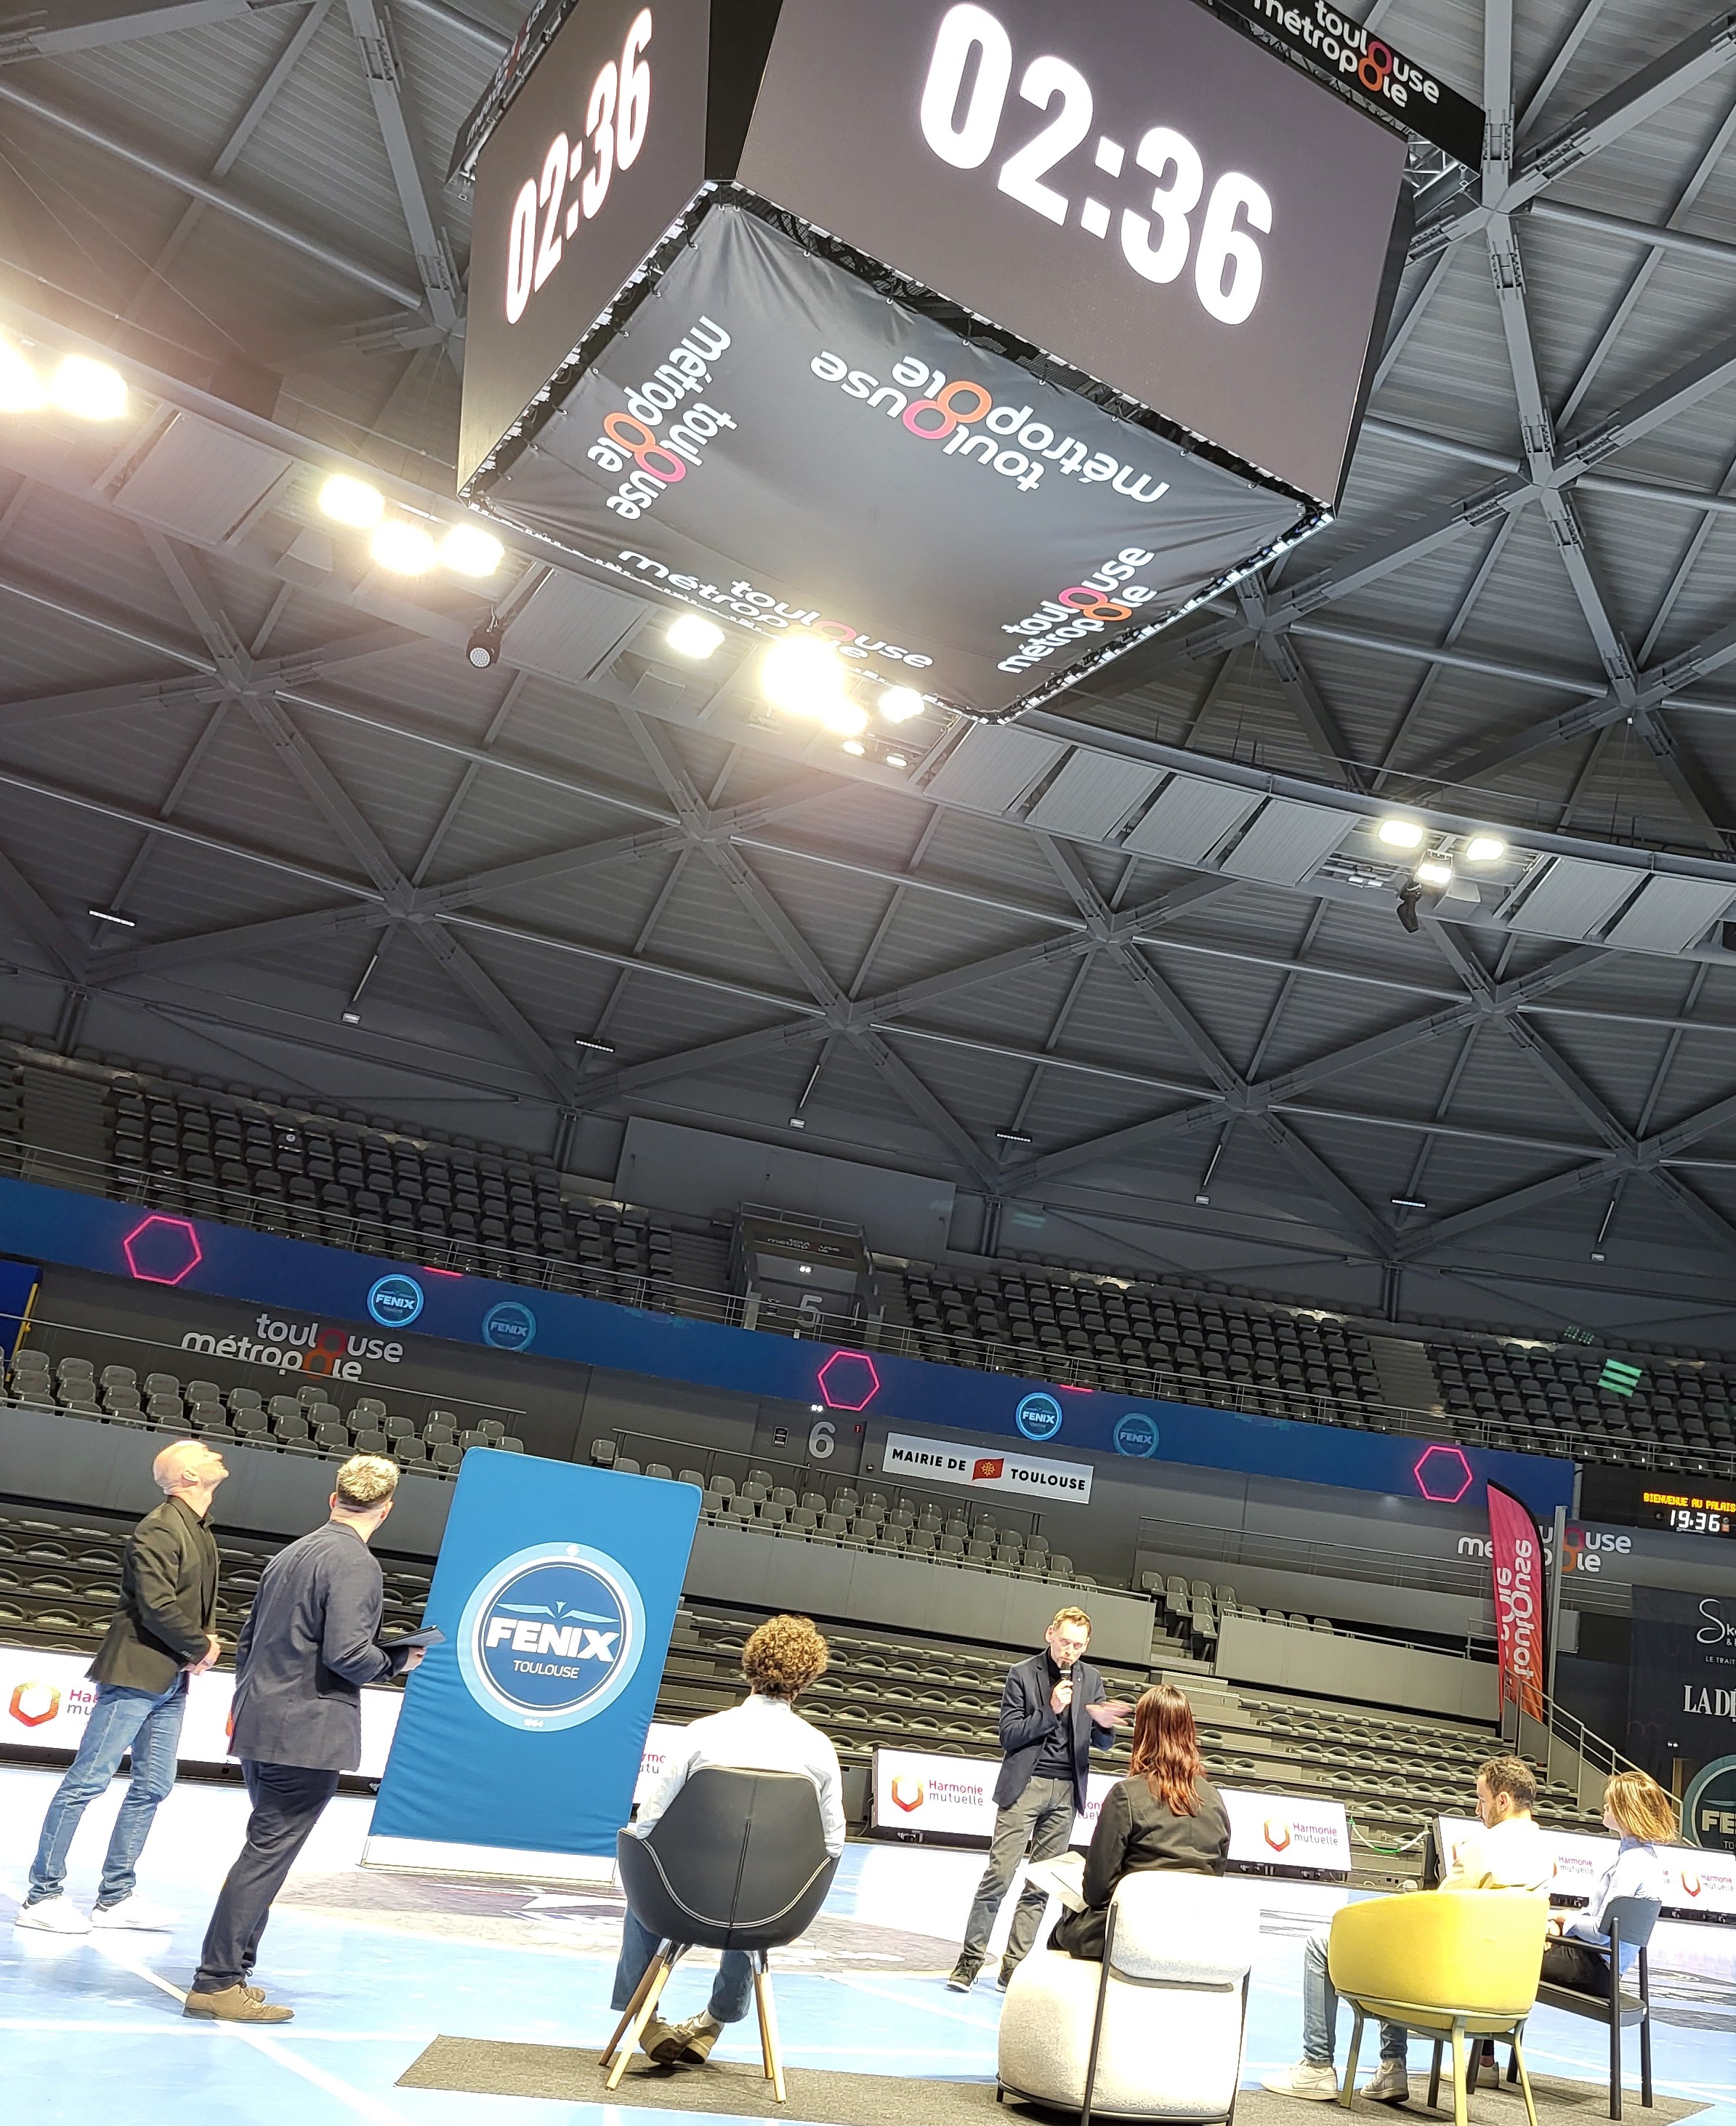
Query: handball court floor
[{"x": 376, "y": 1965}]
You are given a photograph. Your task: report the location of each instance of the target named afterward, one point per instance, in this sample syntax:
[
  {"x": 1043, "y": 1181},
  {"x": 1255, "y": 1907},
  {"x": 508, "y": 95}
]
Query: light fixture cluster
[
  {"x": 77, "y": 384},
  {"x": 1436, "y": 869},
  {"x": 802, "y": 675},
  {"x": 408, "y": 545}
]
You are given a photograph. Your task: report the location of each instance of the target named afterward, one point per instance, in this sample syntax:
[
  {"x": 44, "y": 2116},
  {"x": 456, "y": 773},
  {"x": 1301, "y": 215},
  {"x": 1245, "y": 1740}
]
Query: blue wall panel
[{"x": 88, "y": 1232}]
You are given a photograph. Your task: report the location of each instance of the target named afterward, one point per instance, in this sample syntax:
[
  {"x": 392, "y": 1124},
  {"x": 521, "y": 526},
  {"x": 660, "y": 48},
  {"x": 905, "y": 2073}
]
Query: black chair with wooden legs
[
  {"x": 1629, "y": 1922},
  {"x": 738, "y": 1861}
]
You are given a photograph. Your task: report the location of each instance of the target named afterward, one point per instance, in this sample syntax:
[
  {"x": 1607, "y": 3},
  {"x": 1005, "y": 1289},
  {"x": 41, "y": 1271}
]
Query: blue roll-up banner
[{"x": 556, "y": 1588}]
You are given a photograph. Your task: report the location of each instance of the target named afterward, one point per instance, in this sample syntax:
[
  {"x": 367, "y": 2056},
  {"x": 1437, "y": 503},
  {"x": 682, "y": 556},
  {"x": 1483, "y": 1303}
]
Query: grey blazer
[{"x": 307, "y": 1648}]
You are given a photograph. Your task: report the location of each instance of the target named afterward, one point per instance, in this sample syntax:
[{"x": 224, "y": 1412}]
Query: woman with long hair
[
  {"x": 1166, "y": 1813},
  {"x": 1643, "y": 1816}
]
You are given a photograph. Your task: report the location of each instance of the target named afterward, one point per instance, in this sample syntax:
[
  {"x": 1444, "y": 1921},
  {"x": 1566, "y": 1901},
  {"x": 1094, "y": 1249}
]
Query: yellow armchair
[{"x": 1451, "y": 1964}]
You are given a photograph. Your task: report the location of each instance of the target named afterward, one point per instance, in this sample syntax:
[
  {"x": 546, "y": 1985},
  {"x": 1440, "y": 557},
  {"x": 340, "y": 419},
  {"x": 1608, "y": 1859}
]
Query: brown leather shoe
[{"x": 236, "y": 2004}]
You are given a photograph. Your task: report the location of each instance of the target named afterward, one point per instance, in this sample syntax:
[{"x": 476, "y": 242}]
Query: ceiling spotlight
[
  {"x": 1408, "y": 1203},
  {"x": 1434, "y": 871},
  {"x": 1399, "y": 833},
  {"x": 351, "y": 1017},
  {"x": 898, "y": 705},
  {"x": 802, "y": 675},
  {"x": 796, "y": 1122},
  {"x": 855, "y": 745},
  {"x": 482, "y": 649},
  {"x": 90, "y": 390},
  {"x": 897, "y": 760},
  {"x": 1484, "y": 848},
  {"x": 691, "y": 634},
  {"x": 403, "y": 547},
  {"x": 468, "y": 550},
  {"x": 846, "y": 717},
  {"x": 596, "y": 1047},
  {"x": 109, "y": 915},
  {"x": 20, "y": 388},
  {"x": 353, "y": 502},
  {"x": 1408, "y": 895}
]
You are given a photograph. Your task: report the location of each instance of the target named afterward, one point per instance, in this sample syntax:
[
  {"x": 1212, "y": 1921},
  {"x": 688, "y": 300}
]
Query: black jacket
[
  {"x": 307, "y": 1647},
  {"x": 168, "y": 1602},
  {"x": 1027, "y": 1721},
  {"x": 1137, "y": 1832}
]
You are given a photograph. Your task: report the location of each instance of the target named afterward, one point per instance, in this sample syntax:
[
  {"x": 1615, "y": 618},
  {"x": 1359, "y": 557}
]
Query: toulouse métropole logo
[{"x": 551, "y": 1636}]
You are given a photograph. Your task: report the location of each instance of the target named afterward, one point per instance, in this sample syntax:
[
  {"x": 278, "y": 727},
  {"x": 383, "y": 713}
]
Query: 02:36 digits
[
  {"x": 616, "y": 113},
  {"x": 961, "y": 125}
]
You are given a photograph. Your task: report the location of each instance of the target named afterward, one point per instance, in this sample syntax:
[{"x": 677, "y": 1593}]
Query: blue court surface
[{"x": 376, "y": 1965}]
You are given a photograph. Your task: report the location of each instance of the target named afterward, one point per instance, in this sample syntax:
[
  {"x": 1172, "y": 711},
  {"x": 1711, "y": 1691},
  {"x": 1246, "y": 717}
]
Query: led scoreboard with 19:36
[{"x": 1687, "y": 1513}]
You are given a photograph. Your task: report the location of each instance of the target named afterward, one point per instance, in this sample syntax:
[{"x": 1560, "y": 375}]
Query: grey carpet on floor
[{"x": 484, "y": 2067}]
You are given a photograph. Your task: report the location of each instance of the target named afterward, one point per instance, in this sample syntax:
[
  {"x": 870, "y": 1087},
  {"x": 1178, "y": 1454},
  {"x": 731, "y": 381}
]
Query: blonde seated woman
[
  {"x": 1643, "y": 1815},
  {"x": 1166, "y": 1813}
]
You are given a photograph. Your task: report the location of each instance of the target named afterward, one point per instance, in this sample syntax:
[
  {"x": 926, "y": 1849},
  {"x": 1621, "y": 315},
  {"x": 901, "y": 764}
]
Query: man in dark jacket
[
  {"x": 162, "y": 1634},
  {"x": 1053, "y": 1710},
  {"x": 308, "y": 1645}
]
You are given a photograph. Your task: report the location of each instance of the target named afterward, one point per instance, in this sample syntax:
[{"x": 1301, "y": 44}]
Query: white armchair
[{"x": 1155, "y": 2030}]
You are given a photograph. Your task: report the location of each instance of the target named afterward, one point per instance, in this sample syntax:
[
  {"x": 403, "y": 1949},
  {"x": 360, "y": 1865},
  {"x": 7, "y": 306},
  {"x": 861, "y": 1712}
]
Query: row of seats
[
  {"x": 309, "y": 1421},
  {"x": 59, "y": 1578},
  {"x": 1196, "y": 1607},
  {"x": 868, "y": 1521}
]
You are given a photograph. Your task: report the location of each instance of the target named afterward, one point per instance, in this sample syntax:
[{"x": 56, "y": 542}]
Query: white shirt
[
  {"x": 1513, "y": 1854},
  {"x": 1638, "y": 1870},
  {"x": 761, "y": 1734}
]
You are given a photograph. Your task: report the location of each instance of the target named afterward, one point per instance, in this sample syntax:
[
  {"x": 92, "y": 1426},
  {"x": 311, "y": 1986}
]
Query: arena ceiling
[{"x": 593, "y": 882}]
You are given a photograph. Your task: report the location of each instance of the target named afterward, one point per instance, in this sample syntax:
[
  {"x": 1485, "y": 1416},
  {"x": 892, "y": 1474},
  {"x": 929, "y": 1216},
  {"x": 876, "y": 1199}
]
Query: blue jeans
[
  {"x": 1320, "y": 2011},
  {"x": 731, "y": 1990},
  {"x": 121, "y": 1720}
]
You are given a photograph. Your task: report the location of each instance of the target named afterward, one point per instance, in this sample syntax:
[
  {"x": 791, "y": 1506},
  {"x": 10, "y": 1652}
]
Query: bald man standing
[{"x": 162, "y": 1635}]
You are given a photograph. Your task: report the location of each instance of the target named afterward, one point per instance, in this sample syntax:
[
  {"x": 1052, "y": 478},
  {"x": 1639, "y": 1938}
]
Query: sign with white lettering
[
  {"x": 1703, "y": 1883},
  {"x": 1681, "y": 1679},
  {"x": 1037, "y": 1477}
]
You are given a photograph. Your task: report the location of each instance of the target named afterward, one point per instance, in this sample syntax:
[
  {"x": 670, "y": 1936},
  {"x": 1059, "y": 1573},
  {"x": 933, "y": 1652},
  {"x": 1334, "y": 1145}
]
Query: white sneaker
[
  {"x": 1319, "y": 2084},
  {"x": 53, "y": 1915},
  {"x": 137, "y": 1913},
  {"x": 1390, "y": 2086}
]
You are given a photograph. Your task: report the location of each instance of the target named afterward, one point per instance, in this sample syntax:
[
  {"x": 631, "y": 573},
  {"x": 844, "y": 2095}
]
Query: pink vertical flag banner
[{"x": 1517, "y": 1548}]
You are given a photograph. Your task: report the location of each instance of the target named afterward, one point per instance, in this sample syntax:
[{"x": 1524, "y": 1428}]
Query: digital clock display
[
  {"x": 1128, "y": 184},
  {"x": 1688, "y": 1512},
  {"x": 598, "y": 152}
]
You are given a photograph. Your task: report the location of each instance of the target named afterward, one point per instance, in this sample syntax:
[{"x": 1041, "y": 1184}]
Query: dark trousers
[
  {"x": 1577, "y": 1964},
  {"x": 287, "y": 1801},
  {"x": 1040, "y": 1822}
]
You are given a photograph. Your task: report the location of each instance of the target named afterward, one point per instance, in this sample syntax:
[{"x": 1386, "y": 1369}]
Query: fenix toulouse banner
[
  {"x": 556, "y": 1587},
  {"x": 1703, "y": 1886},
  {"x": 954, "y": 1797},
  {"x": 1517, "y": 1553},
  {"x": 199, "y": 1255}
]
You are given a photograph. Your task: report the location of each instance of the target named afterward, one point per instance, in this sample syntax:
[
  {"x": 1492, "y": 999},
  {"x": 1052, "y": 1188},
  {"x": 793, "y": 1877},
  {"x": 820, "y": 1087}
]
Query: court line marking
[{"x": 370, "y": 2107}]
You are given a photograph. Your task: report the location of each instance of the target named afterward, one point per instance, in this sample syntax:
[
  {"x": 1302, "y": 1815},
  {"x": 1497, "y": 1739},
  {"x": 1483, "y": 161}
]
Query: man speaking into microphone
[{"x": 1053, "y": 1709}]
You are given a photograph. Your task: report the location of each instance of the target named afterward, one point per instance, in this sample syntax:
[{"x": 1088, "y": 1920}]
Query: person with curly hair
[{"x": 764, "y": 1733}]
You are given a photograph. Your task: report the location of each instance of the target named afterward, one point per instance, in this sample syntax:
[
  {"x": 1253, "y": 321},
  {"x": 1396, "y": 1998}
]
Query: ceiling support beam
[
  {"x": 140, "y": 159},
  {"x": 85, "y": 25}
]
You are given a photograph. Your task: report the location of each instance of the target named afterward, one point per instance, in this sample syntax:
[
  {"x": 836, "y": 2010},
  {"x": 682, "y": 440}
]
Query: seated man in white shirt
[
  {"x": 1509, "y": 1854},
  {"x": 762, "y": 1734}
]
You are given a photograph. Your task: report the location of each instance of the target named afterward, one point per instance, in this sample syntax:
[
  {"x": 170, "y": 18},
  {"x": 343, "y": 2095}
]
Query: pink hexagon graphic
[
  {"x": 161, "y": 1251},
  {"x": 847, "y": 1374},
  {"x": 1443, "y": 1475}
]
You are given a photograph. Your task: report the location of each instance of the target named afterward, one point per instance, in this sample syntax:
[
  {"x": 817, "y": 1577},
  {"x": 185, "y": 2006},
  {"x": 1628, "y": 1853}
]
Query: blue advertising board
[
  {"x": 556, "y": 1587},
  {"x": 233, "y": 1262}
]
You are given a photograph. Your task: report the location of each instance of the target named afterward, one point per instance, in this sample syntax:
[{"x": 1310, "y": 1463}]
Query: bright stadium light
[
  {"x": 349, "y": 501},
  {"x": 1484, "y": 848},
  {"x": 900, "y": 704},
  {"x": 1399, "y": 833},
  {"x": 691, "y": 634},
  {"x": 847, "y": 718},
  {"x": 90, "y": 390},
  {"x": 468, "y": 550},
  {"x": 403, "y": 547},
  {"x": 1434, "y": 871},
  {"x": 20, "y": 388},
  {"x": 802, "y": 675}
]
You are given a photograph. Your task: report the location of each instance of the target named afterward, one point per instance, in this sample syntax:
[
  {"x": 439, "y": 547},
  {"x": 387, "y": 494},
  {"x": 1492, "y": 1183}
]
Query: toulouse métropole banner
[
  {"x": 1682, "y": 1679},
  {"x": 1521, "y": 1604},
  {"x": 556, "y": 1587}
]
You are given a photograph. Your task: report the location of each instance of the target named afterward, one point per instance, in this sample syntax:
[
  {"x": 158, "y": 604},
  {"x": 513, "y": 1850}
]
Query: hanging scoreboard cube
[{"x": 978, "y": 342}]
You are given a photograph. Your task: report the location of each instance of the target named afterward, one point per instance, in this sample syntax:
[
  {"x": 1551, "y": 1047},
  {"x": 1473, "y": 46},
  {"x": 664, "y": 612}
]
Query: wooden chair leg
[
  {"x": 1525, "y": 2079},
  {"x": 1434, "y": 2076},
  {"x": 1459, "y": 2095},
  {"x": 758, "y": 1961},
  {"x": 768, "y": 2029},
  {"x": 633, "y": 2005},
  {"x": 1347, "y": 2087},
  {"x": 637, "y": 2018}
]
